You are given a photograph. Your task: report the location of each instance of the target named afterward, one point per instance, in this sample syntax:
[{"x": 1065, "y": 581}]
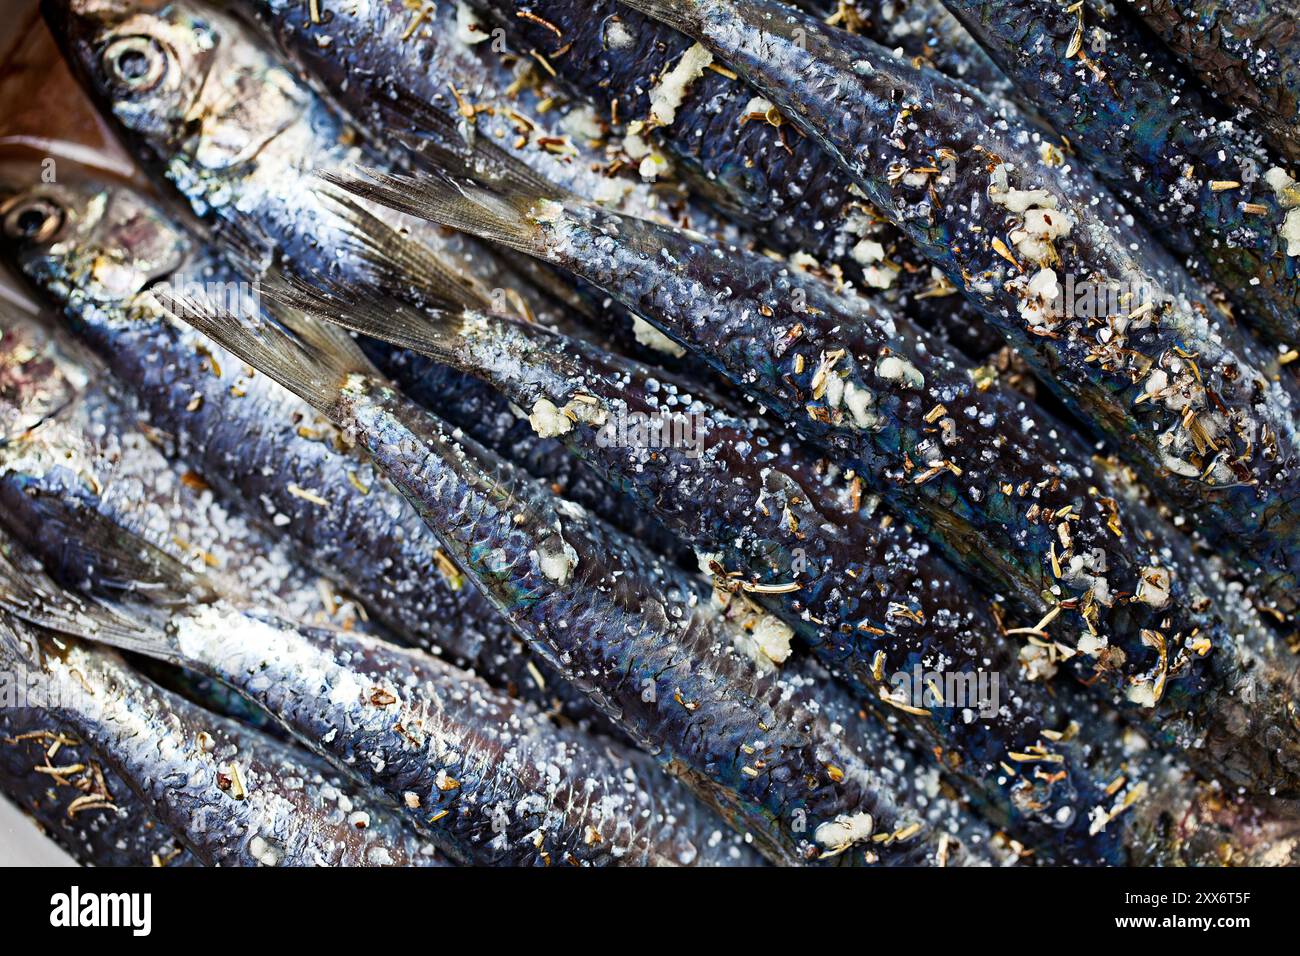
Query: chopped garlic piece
[
  {"x": 652, "y": 338},
  {"x": 670, "y": 91},
  {"x": 469, "y": 28},
  {"x": 844, "y": 831}
]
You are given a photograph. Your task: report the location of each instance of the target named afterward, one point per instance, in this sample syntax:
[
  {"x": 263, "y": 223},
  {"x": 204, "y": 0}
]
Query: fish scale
[
  {"x": 1248, "y": 51},
  {"x": 1142, "y": 121},
  {"x": 1218, "y": 437},
  {"x": 313, "y": 682},
  {"x": 631, "y": 637}
]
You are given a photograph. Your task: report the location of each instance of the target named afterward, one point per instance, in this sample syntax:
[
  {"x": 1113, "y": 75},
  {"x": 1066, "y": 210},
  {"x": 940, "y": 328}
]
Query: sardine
[
  {"x": 1187, "y": 399},
  {"x": 1247, "y": 51},
  {"x": 254, "y": 443},
  {"x": 1197, "y": 176},
  {"x": 232, "y": 131},
  {"x": 728, "y": 148},
  {"x": 1030, "y": 514},
  {"x": 775, "y": 524}
]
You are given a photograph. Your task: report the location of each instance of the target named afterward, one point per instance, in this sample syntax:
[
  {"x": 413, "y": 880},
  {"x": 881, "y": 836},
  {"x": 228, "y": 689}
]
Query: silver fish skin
[
  {"x": 863, "y": 382},
  {"x": 94, "y": 450},
  {"x": 625, "y": 628},
  {"x": 774, "y": 523},
  {"x": 75, "y": 800},
  {"x": 1195, "y": 404},
  {"x": 264, "y": 451},
  {"x": 488, "y": 780},
  {"x": 247, "y": 167},
  {"x": 408, "y": 78},
  {"x": 234, "y": 797},
  {"x": 784, "y": 187}
]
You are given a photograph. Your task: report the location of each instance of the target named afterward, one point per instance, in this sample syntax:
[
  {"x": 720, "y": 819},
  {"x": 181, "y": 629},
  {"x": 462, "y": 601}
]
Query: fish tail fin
[
  {"x": 398, "y": 261},
  {"x": 507, "y": 215},
  {"x": 431, "y": 330},
  {"x": 109, "y": 558},
  {"x": 438, "y": 143},
  {"x": 314, "y": 360},
  {"x": 28, "y": 594}
]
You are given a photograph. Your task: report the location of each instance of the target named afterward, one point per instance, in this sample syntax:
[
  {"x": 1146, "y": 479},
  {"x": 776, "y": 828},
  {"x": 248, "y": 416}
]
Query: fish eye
[
  {"x": 135, "y": 63},
  {"x": 36, "y": 220}
]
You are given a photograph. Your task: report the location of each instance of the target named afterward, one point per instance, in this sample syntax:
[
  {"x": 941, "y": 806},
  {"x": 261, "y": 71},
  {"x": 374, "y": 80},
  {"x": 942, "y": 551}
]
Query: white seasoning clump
[
  {"x": 469, "y": 28},
  {"x": 557, "y": 559},
  {"x": 895, "y": 368},
  {"x": 1288, "y": 194},
  {"x": 671, "y": 89},
  {"x": 652, "y": 338},
  {"x": 844, "y": 831}
]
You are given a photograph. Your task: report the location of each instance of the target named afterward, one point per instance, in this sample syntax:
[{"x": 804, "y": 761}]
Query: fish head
[
  {"x": 86, "y": 241},
  {"x": 35, "y": 384},
  {"x": 192, "y": 88}
]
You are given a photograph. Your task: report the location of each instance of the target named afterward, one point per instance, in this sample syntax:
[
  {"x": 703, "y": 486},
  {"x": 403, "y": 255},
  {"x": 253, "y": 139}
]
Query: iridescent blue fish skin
[
  {"x": 1195, "y": 173},
  {"x": 1192, "y": 402},
  {"x": 1247, "y": 51},
  {"x": 247, "y": 170},
  {"x": 630, "y": 631}
]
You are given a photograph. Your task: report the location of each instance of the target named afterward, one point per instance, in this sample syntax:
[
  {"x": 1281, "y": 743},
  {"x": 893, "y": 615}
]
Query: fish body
[
  {"x": 233, "y": 797},
  {"x": 863, "y": 383},
  {"x": 1247, "y": 51},
  {"x": 633, "y": 633},
  {"x": 757, "y": 174},
  {"x": 1195, "y": 174},
  {"x": 75, "y": 800},
  {"x": 284, "y": 465},
  {"x": 1217, "y": 436},
  {"x": 777, "y": 524}
]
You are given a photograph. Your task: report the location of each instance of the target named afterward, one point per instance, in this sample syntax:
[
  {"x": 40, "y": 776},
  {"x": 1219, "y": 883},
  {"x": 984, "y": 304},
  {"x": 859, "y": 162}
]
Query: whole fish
[
  {"x": 1029, "y": 514},
  {"x": 1121, "y": 333},
  {"x": 1247, "y": 51},
  {"x": 633, "y": 633},
  {"x": 489, "y": 780},
  {"x": 233, "y": 797},
  {"x": 76, "y": 800},
  {"x": 1197, "y": 176},
  {"x": 250, "y": 440}
]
